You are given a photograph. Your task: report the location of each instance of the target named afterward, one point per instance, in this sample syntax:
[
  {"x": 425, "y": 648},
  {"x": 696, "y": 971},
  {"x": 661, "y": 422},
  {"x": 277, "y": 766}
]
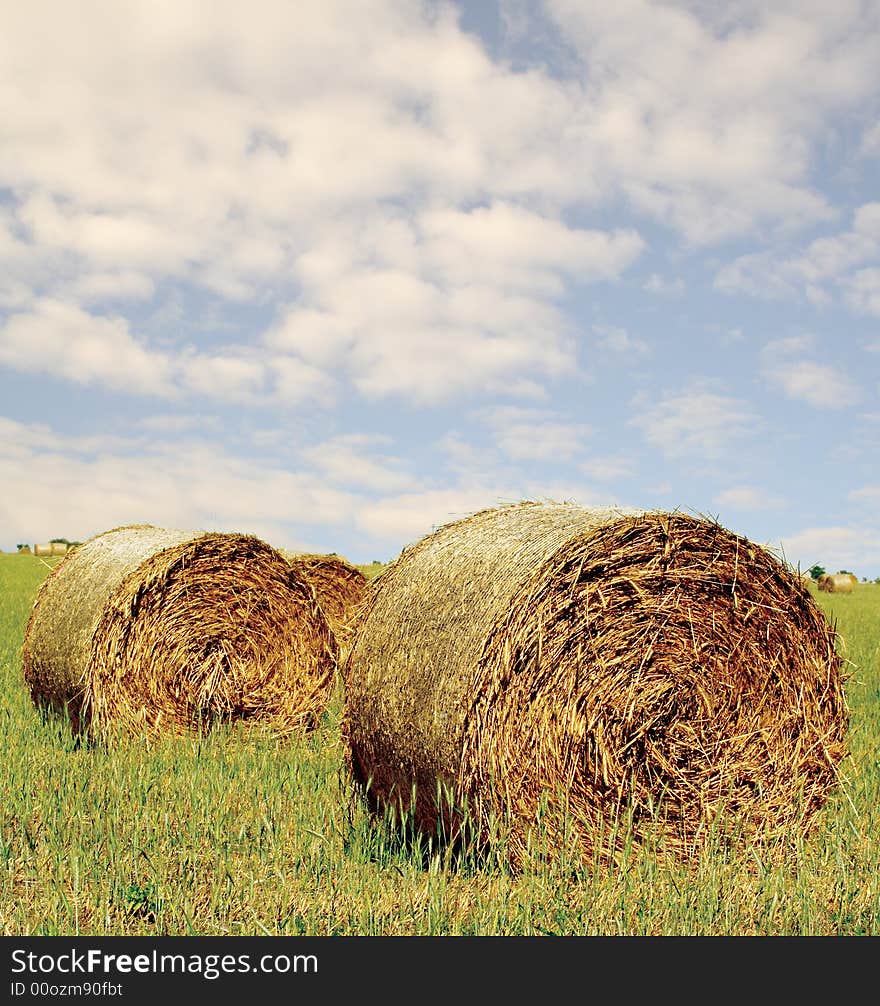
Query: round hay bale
[
  {"x": 147, "y": 629},
  {"x": 43, "y": 549},
  {"x": 339, "y": 587},
  {"x": 556, "y": 663},
  {"x": 837, "y": 583}
]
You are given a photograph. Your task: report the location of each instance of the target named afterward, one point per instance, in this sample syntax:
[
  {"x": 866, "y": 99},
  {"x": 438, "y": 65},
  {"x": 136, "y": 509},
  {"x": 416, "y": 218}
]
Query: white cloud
[
  {"x": 56, "y": 485},
  {"x": 177, "y": 423},
  {"x": 103, "y": 287},
  {"x": 63, "y": 341},
  {"x": 818, "y": 384},
  {"x": 656, "y": 283},
  {"x": 450, "y": 303},
  {"x": 716, "y": 159},
  {"x": 409, "y": 516},
  {"x": 834, "y": 547},
  {"x": 697, "y": 422},
  {"x": 748, "y": 498},
  {"x": 870, "y": 146},
  {"x": 346, "y": 461},
  {"x": 608, "y": 469},
  {"x": 66, "y": 342},
  {"x": 506, "y": 245},
  {"x": 465, "y": 458},
  {"x": 862, "y": 291},
  {"x": 618, "y": 340},
  {"x": 867, "y": 494},
  {"x": 826, "y": 264},
  {"x": 534, "y": 434}
]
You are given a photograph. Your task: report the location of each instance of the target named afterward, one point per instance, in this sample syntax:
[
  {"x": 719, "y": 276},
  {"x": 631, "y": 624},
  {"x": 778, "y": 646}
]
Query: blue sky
[{"x": 335, "y": 273}]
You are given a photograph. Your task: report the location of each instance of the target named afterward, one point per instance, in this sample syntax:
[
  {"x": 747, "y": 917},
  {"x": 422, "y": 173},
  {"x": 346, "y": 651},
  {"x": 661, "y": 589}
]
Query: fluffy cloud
[
  {"x": 535, "y": 434},
  {"x": 365, "y": 179},
  {"x": 834, "y": 547},
  {"x": 64, "y": 341},
  {"x": 447, "y": 303},
  {"x": 862, "y": 291},
  {"x": 696, "y": 422},
  {"x": 76, "y": 487},
  {"x": 748, "y": 498},
  {"x": 867, "y": 494},
  {"x": 818, "y": 384},
  {"x": 715, "y": 160},
  {"x": 347, "y": 461},
  {"x": 825, "y": 264},
  {"x": 618, "y": 340},
  {"x": 656, "y": 283},
  {"x": 608, "y": 469}
]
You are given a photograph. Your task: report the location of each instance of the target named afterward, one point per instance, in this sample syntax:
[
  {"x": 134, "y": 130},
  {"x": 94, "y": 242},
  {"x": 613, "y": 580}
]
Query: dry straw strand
[
  {"x": 555, "y": 662},
  {"x": 144, "y": 629}
]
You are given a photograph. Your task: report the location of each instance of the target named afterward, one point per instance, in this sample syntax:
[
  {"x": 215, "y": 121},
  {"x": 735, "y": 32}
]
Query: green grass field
[{"x": 242, "y": 836}]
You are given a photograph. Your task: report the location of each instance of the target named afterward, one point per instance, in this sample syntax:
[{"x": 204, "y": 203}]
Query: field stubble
[{"x": 239, "y": 835}]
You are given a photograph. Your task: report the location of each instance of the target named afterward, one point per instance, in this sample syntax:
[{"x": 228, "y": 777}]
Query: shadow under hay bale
[
  {"x": 339, "y": 587},
  {"x": 143, "y": 629},
  {"x": 579, "y": 666}
]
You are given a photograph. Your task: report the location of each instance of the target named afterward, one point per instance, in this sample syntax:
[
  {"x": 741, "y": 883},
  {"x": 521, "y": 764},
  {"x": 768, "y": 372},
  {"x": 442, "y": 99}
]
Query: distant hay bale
[
  {"x": 146, "y": 629},
  {"x": 338, "y": 585},
  {"x": 43, "y": 548},
  {"x": 553, "y": 662},
  {"x": 836, "y": 583},
  {"x": 24, "y": 550},
  {"x": 58, "y": 548}
]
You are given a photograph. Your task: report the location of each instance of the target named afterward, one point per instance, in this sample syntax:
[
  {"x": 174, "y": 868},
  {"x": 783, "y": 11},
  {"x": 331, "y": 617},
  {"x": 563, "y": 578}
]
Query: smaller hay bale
[
  {"x": 24, "y": 550},
  {"x": 143, "y": 629},
  {"x": 339, "y": 588},
  {"x": 58, "y": 548},
  {"x": 836, "y": 583},
  {"x": 43, "y": 548}
]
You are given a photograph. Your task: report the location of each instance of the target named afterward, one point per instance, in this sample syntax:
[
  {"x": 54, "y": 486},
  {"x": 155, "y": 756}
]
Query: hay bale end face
[
  {"x": 339, "y": 587},
  {"x": 142, "y": 629},
  {"x": 552, "y": 662}
]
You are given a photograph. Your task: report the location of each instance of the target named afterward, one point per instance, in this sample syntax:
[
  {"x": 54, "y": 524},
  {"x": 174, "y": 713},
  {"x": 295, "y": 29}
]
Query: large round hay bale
[
  {"x": 552, "y": 662},
  {"x": 837, "y": 583},
  {"x": 147, "y": 629},
  {"x": 339, "y": 587}
]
